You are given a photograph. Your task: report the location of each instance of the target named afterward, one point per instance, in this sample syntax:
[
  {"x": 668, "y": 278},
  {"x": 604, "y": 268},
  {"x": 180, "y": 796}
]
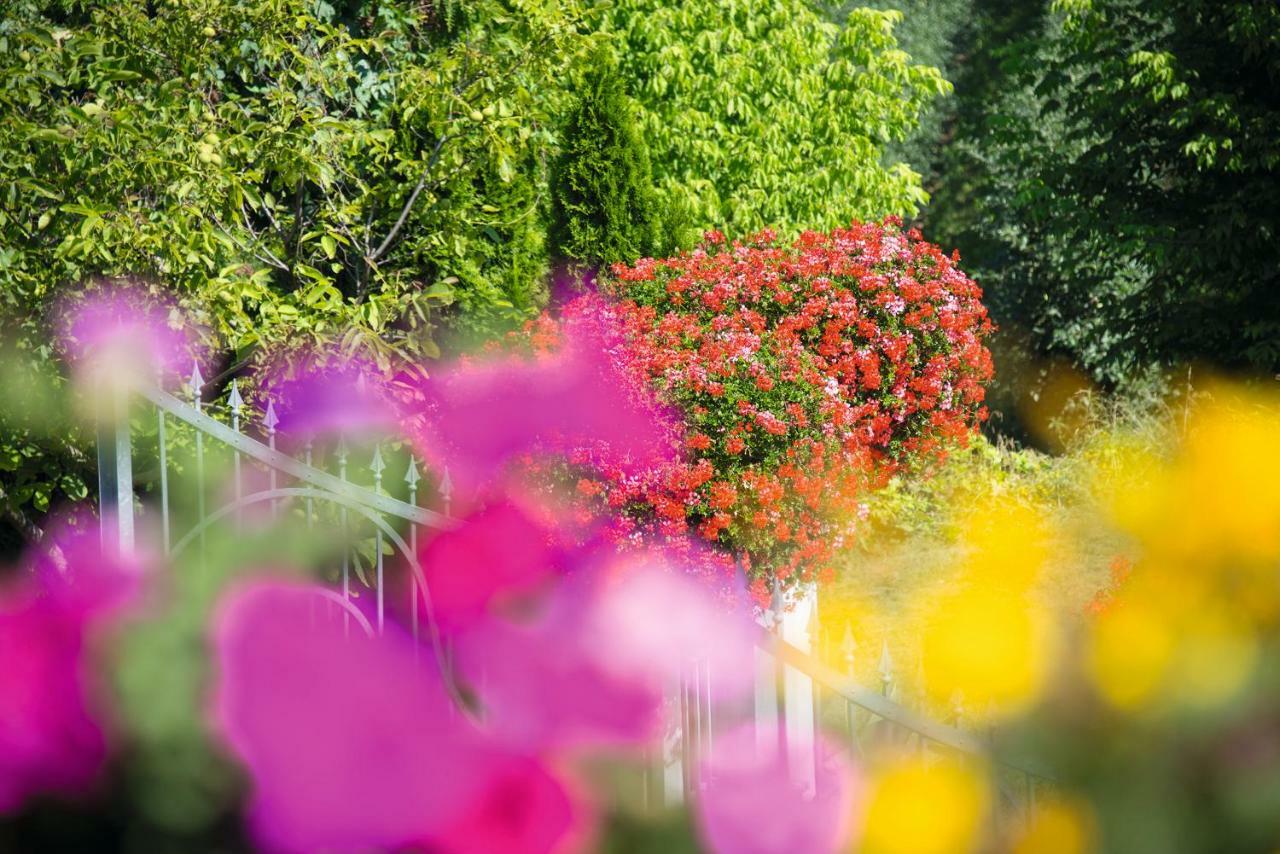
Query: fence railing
[
  {"x": 844, "y": 710},
  {"x": 288, "y": 480}
]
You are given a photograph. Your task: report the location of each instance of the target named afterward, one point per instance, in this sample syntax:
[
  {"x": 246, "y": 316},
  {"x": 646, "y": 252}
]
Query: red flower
[{"x": 841, "y": 358}]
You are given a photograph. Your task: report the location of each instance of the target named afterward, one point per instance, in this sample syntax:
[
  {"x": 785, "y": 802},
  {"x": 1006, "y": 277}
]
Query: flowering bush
[{"x": 805, "y": 374}]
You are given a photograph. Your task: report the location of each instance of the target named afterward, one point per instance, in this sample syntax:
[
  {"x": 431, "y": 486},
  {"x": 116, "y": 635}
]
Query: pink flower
[
  {"x": 751, "y": 805},
  {"x": 481, "y": 416},
  {"x": 588, "y": 668},
  {"x": 544, "y": 683},
  {"x": 52, "y": 737},
  {"x": 349, "y": 397},
  {"x": 120, "y": 332},
  {"x": 496, "y": 554},
  {"x": 525, "y": 809},
  {"x": 352, "y": 744}
]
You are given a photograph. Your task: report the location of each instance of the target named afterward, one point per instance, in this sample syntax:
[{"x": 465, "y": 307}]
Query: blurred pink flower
[
  {"x": 495, "y": 555},
  {"x": 588, "y": 667},
  {"x": 525, "y": 809},
  {"x": 652, "y": 619},
  {"x": 751, "y": 805},
  {"x": 479, "y": 417},
  {"x": 329, "y": 397},
  {"x": 354, "y": 745},
  {"x": 52, "y": 735},
  {"x": 121, "y": 332},
  {"x": 542, "y": 685}
]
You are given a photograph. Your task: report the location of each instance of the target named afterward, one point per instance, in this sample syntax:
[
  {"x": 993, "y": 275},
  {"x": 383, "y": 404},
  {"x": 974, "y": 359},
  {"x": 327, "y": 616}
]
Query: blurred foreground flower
[
  {"x": 479, "y": 417},
  {"x": 588, "y": 664},
  {"x": 352, "y": 744},
  {"x": 751, "y": 805},
  {"x": 918, "y": 806},
  {"x": 52, "y": 719},
  {"x": 119, "y": 336}
]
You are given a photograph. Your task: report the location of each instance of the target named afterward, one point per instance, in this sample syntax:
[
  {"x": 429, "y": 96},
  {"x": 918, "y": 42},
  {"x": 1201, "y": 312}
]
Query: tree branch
[{"x": 408, "y": 206}]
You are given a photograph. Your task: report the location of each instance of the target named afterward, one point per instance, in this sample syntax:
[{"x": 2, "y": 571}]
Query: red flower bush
[{"x": 805, "y": 374}]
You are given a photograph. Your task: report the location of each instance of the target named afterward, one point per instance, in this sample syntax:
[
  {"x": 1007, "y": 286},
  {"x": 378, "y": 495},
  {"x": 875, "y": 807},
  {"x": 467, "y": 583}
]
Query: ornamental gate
[
  {"x": 187, "y": 438},
  {"x": 797, "y": 695}
]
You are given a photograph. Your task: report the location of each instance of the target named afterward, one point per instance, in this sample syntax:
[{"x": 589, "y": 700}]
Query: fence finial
[
  {"x": 270, "y": 419},
  {"x": 848, "y": 646},
  {"x": 196, "y": 383},
  {"x": 411, "y": 475},
  {"x": 234, "y": 400},
  {"x": 377, "y": 465},
  {"x": 446, "y": 486},
  {"x": 886, "y": 667}
]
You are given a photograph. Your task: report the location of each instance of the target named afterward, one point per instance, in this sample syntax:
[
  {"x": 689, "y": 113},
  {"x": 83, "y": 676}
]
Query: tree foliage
[
  {"x": 771, "y": 114},
  {"x": 1125, "y": 211},
  {"x": 295, "y": 173},
  {"x": 605, "y": 207}
]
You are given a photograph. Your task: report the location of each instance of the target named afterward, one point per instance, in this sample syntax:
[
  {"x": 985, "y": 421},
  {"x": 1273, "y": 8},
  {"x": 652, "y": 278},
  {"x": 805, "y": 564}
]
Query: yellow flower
[
  {"x": 1131, "y": 651},
  {"x": 992, "y": 646},
  {"x": 918, "y": 807},
  {"x": 1007, "y": 544},
  {"x": 1057, "y": 826}
]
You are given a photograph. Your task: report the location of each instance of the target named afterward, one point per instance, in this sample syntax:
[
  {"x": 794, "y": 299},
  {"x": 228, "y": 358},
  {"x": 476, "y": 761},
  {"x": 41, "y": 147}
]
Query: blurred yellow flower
[
  {"x": 1219, "y": 500},
  {"x": 1130, "y": 654},
  {"x": 994, "y": 647},
  {"x": 1057, "y": 826},
  {"x": 1007, "y": 543},
  {"x": 920, "y": 807}
]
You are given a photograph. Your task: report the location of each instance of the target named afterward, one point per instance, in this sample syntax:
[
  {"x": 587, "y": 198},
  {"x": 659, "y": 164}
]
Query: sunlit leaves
[{"x": 773, "y": 115}]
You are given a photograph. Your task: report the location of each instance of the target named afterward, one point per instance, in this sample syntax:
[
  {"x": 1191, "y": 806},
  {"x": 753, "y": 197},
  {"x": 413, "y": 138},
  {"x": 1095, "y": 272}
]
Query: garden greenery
[
  {"x": 1113, "y": 180},
  {"x": 605, "y": 208},
  {"x": 772, "y": 115},
  {"x": 369, "y": 177}
]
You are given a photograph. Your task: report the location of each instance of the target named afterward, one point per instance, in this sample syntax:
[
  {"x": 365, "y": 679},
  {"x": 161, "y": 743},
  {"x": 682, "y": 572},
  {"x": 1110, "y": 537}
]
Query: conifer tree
[{"x": 605, "y": 205}]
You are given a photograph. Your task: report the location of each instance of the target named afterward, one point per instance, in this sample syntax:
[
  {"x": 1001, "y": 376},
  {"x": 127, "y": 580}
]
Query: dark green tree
[
  {"x": 1126, "y": 213},
  {"x": 605, "y": 207}
]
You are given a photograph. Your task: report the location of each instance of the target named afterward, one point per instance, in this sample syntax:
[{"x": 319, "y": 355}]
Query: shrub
[
  {"x": 805, "y": 375},
  {"x": 604, "y": 205}
]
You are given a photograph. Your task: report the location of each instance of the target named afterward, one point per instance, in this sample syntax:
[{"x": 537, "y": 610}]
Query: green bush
[{"x": 604, "y": 205}]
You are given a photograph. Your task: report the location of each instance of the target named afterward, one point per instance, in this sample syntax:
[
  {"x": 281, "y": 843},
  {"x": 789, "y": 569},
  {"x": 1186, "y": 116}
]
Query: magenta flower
[
  {"x": 352, "y": 744},
  {"x": 120, "y": 332},
  {"x": 495, "y": 556},
  {"x": 543, "y": 685},
  {"x": 52, "y": 736},
  {"x": 330, "y": 397},
  {"x": 588, "y": 667},
  {"x": 479, "y": 417},
  {"x": 752, "y": 806},
  {"x": 525, "y": 809}
]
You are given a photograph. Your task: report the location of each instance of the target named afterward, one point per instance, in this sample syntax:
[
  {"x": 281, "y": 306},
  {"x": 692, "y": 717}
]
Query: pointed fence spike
[
  {"x": 446, "y": 485},
  {"x": 196, "y": 383},
  {"x": 341, "y": 451},
  {"x": 377, "y": 465},
  {"x": 411, "y": 475},
  {"x": 847, "y": 644},
  {"x": 269, "y": 418},
  {"x": 234, "y": 400},
  {"x": 886, "y": 663}
]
